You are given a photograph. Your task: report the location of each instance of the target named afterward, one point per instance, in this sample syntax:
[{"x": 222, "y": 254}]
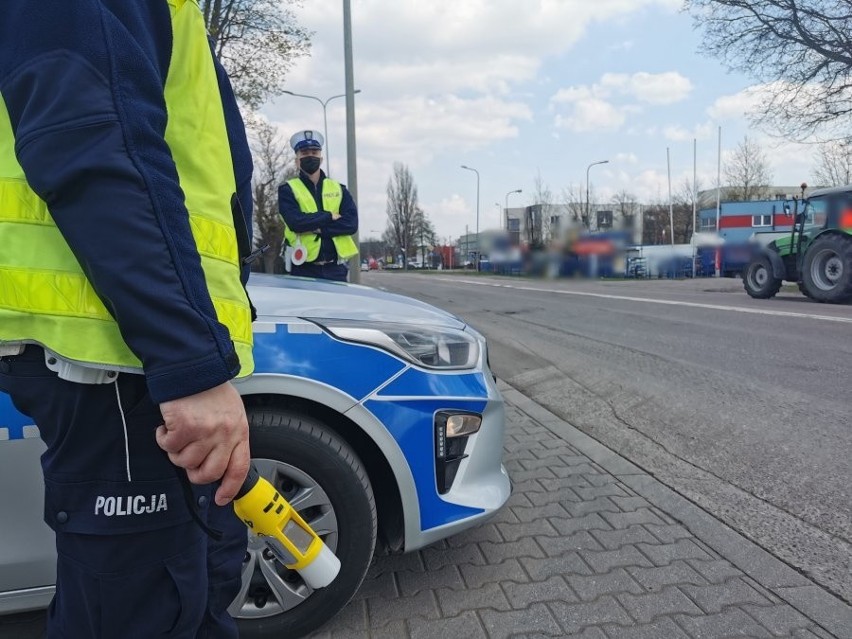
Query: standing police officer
[
  {"x": 319, "y": 215},
  {"x": 124, "y": 213}
]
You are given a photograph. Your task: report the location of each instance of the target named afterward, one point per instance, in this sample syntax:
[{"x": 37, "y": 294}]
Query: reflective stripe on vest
[
  {"x": 44, "y": 295},
  {"x": 332, "y": 194}
]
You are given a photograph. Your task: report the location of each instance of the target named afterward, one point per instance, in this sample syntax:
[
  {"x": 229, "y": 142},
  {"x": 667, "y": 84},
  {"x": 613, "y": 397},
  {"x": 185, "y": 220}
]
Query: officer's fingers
[
  {"x": 192, "y": 457},
  {"x": 210, "y": 468},
  {"x": 235, "y": 474},
  {"x": 170, "y": 441}
]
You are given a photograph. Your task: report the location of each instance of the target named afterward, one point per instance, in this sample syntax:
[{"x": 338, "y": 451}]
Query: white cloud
[
  {"x": 594, "y": 107},
  {"x": 592, "y": 114},
  {"x": 653, "y": 88},
  {"x": 626, "y": 158},
  {"x": 677, "y": 133},
  {"x": 734, "y": 107}
]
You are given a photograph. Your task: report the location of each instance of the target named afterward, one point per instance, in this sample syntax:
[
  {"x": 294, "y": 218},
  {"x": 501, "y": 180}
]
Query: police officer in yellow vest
[
  {"x": 124, "y": 214},
  {"x": 319, "y": 214}
]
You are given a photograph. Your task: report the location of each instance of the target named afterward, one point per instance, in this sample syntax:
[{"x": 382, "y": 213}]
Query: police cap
[{"x": 306, "y": 139}]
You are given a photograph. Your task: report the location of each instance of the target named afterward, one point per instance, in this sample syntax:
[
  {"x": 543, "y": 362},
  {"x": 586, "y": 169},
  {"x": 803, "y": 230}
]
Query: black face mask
[{"x": 310, "y": 164}]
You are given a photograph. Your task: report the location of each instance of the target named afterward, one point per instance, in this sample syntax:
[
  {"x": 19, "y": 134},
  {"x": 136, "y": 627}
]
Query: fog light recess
[{"x": 452, "y": 430}]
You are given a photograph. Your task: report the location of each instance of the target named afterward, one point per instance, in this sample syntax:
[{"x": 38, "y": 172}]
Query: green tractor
[{"x": 816, "y": 254}]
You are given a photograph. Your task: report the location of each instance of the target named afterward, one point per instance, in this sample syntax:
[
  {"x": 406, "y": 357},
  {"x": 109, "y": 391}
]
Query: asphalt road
[{"x": 743, "y": 406}]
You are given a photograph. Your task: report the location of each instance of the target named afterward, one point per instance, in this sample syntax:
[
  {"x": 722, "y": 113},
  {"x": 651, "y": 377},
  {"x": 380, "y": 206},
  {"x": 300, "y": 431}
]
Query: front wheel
[
  {"x": 827, "y": 269},
  {"x": 326, "y": 483},
  {"x": 758, "y": 280}
]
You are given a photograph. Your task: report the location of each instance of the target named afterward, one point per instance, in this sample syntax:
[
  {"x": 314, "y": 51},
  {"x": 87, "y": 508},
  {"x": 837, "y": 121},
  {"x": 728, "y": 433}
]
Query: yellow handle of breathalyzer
[
  {"x": 267, "y": 514},
  {"x": 287, "y": 535}
]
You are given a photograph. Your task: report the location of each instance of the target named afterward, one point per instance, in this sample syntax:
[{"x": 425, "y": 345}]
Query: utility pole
[{"x": 352, "y": 173}]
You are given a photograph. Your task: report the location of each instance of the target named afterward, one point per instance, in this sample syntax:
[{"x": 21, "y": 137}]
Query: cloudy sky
[{"x": 520, "y": 90}]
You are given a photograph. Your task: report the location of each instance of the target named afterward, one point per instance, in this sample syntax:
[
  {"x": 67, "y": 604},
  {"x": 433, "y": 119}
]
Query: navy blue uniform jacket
[{"x": 298, "y": 222}]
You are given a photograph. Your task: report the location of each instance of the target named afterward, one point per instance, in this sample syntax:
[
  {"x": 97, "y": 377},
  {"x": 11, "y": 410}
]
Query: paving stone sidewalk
[{"x": 588, "y": 546}]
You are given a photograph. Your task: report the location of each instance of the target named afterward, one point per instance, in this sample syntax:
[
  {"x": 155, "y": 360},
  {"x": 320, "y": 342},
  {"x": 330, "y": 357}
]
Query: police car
[{"x": 374, "y": 414}]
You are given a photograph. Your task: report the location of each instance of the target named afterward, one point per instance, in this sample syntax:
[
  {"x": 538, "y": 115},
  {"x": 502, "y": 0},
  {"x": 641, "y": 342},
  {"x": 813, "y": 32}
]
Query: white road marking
[{"x": 714, "y": 307}]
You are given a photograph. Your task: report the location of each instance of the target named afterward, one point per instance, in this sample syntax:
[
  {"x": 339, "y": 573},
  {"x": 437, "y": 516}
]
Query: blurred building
[{"x": 542, "y": 224}]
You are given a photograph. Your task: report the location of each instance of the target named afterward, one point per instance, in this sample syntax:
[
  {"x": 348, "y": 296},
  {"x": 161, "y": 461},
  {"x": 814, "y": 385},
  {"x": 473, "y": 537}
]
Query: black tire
[
  {"x": 827, "y": 269},
  {"x": 298, "y": 453},
  {"x": 803, "y": 290},
  {"x": 758, "y": 279}
]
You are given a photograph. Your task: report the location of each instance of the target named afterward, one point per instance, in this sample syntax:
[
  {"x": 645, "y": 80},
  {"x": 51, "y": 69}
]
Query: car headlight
[{"x": 439, "y": 348}]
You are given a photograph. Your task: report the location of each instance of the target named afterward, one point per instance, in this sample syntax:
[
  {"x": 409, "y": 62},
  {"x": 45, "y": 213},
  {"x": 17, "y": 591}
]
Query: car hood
[{"x": 279, "y": 296}]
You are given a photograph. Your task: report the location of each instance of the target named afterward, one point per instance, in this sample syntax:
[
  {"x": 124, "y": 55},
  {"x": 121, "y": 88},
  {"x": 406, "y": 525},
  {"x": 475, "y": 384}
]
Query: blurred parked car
[{"x": 374, "y": 414}]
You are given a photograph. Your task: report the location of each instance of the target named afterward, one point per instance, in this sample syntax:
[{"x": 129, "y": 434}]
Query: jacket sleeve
[
  {"x": 347, "y": 223},
  {"x": 297, "y": 221},
  {"x": 83, "y": 82}
]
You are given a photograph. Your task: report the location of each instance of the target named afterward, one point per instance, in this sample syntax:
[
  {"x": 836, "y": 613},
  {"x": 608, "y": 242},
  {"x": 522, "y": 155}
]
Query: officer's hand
[{"x": 207, "y": 434}]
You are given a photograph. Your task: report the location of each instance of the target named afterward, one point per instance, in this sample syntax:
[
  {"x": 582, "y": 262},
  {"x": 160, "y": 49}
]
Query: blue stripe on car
[
  {"x": 11, "y": 420},
  {"x": 420, "y": 383},
  {"x": 354, "y": 369}
]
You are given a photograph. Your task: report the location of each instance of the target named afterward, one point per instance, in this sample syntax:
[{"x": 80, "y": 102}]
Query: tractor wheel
[
  {"x": 804, "y": 291},
  {"x": 758, "y": 280},
  {"x": 827, "y": 269}
]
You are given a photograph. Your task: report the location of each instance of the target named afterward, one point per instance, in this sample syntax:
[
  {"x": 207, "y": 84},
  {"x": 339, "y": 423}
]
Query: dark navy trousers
[{"x": 132, "y": 563}]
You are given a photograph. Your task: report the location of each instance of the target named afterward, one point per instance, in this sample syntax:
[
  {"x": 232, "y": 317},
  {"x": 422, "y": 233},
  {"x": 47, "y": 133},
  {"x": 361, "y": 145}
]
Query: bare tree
[
  {"x": 572, "y": 200},
  {"x": 656, "y": 224},
  {"x": 625, "y": 207},
  {"x": 257, "y": 41},
  {"x": 682, "y": 211},
  {"x": 747, "y": 171},
  {"x": 833, "y": 163},
  {"x": 801, "y": 48},
  {"x": 272, "y": 165},
  {"x": 423, "y": 232},
  {"x": 539, "y": 226},
  {"x": 402, "y": 210}
]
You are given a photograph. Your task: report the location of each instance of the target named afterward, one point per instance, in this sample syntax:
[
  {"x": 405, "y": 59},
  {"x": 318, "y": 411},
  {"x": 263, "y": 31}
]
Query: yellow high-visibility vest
[
  {"x": 44, "y": 295},
  {"x": 332, "y": 194}
]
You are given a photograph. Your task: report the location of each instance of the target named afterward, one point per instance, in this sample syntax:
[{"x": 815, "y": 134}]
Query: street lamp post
[
  {"x": 588, "y": 219},
  {"x": 507, "y": 205},
  {"x": 468, "y": 168},
  {"x": 324, "y": 104}
]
